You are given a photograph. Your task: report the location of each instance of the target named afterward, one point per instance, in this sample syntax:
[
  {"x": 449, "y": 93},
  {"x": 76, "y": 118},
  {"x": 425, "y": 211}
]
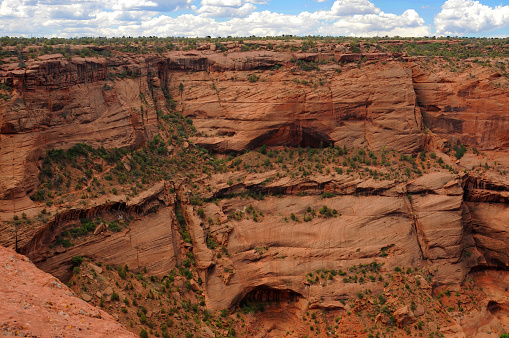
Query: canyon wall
[
  {"x": 391, "y": 104},
  {"x": 450, "y": 223}
]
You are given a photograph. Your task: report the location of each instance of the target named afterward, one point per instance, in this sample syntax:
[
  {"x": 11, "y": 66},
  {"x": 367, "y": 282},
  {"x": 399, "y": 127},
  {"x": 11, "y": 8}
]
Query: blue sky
[{"x": 70, "y": 18}]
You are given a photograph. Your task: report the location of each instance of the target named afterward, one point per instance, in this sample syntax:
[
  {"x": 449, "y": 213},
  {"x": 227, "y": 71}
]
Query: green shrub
[
  {"x": 201, "y": 213},
  {"x": 459, "y": 150},
  {"x": 253, "y": 78},
  {"x": 143, "y": 318},
  {"x": 113, "y": 226},
  {"x": 121, "y": 272},
  {"x": 77, "y": 260},
  {"x": 211, "y": 244},
  {"x": 115, "y": 297},
  {"x": 263, "y": 149}
]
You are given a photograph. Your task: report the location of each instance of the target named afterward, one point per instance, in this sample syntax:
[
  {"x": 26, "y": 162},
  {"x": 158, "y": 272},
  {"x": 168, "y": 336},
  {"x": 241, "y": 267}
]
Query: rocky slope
[{"x": 383, "y": 185}]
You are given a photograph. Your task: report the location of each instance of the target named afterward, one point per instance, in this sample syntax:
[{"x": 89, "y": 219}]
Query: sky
[{"x": 222, "y": 18}]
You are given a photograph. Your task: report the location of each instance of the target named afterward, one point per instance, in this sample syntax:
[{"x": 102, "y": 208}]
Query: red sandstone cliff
[
  {"x": 59, "y": 102},
  {"x": 450, "y": 224}
]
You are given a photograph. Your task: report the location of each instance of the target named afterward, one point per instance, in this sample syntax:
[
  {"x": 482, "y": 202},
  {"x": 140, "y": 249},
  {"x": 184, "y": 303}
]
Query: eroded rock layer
[
  {"x": 238, "y": 103},
  {"x": 258, "y": 234}
]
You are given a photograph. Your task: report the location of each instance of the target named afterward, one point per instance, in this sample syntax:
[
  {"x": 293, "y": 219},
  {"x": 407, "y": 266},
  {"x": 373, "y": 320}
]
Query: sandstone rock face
[
  {"x": 35, "y": 303},
  {"x": 423, "y": 222},
  {"x": 60, "y": 102},
  {"x": 495, "y": 314},
  {"x": 448, "y": 224},
  {"x": 490, "y": 232},
  {"x": 372, "y": 108},
  {"x": 404, "y": 316},
  {"x": 441, "y": 221},
  {"x": 139, "y": 246},
  {"x": 277, "y": 254},
  {"x": 469, "y": 108}
]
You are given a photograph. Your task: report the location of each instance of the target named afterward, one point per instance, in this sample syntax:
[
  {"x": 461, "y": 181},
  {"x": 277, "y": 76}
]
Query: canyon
[{"x": 343, "y": 193}]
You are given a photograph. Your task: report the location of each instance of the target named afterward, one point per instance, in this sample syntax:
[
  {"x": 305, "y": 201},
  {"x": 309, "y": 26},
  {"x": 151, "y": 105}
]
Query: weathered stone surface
[
  {"x": 375, "y": 106},
  {"x": 356, "y": 109},
  {"x": 203, "y": 255},
  {"x": 139, "y": 246},
  {"x": 453, "y": 331},
  {"x": 207, "y": 332},
  {"x": 65, "y": 118},
  {"x": 449, "y": 224},
  {"x": 100, "y": 228},
  {"x": 108, "y": 292},
  {"x": 404, "y": 316},
  {"x": 35, "y": 303},
  {"x": 354, "y": 237},
  {"x": 491, "y": 233},
  {"x": 494, "y": 316},
  {"x": 86, "y": 297},
  {"x": 469, "y": 108},
  {"x": 419, "y": 310},
  {"x": 96, "y": 268}
]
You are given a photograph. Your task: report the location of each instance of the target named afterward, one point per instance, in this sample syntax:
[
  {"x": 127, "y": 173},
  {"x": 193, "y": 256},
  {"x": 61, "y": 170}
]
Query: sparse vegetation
[{"x": 225, "y": 193}]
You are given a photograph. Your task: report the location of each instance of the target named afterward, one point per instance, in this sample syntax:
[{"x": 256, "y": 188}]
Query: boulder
[
  {"x": 108, "y": 292},
  {"x": 96, "y": 268},
  {"x": 419, "y": 310},
  {"x": 100, "y": 228},
  {"x": 86, "y": 297},
  {"x": 207, "y": 332},
  {"x": 404, "y": 316}
]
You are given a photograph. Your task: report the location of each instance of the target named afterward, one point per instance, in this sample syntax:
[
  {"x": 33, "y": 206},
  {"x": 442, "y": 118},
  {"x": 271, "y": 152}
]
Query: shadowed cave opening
[
  {"x": 293, "y": 135},
  {"x": 263, "y": 296},
  {"x": 499, "y": 309}
]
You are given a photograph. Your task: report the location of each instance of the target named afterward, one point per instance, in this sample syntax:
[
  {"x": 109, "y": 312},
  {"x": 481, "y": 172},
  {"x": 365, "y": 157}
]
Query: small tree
[
  {"x": 115, "y": 297},
  {"x": 181, "y": 90}
]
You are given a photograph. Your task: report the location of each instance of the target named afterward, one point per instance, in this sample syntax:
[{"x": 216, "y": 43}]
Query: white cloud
[
  {"x": 225, "y": 11},
  {"x": 345, "y": 8},
  {"x": 57, "y": 8},
  {"x": 226, "y": 8},
  {"x": 257, "y": 23},
  {"x": 353, "y": 7},
  {"x": 148, "y": 17},
  {"x": 460, "y": 17},
  {"x": 15, "y": 8},
  {"x": 229, "y": 3},
  {"x": 269, "y": 23},
  {"x": 120, "y": 5},
  {"x": 407, "y": 24}
]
